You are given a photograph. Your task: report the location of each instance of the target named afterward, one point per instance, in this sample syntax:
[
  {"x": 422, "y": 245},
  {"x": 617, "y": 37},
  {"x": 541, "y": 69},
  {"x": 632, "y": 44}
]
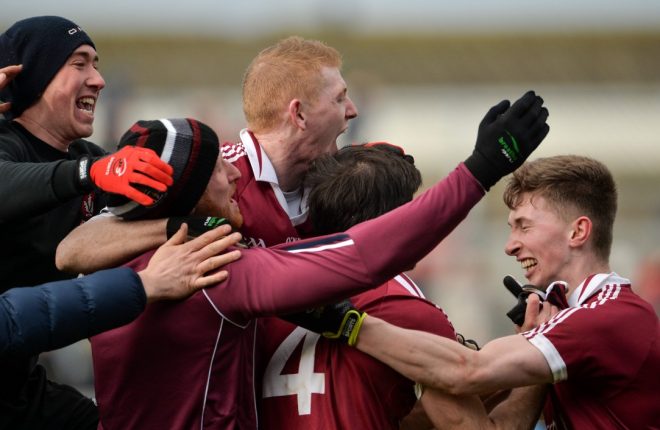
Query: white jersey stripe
[
  {"x": 254, "y": 376},
  {"x": 409, "y": 285},
  {"x": 341, "y": 244},
  {"x": 552, "y": 356},
  {"x": 208, "y": 376},
  {"x": 233, "y": 152},
  {"x": 608, "y": 292},
  {"x": 611, "y": 293},
  {"x": 220, "y": 313},
  {"x": 537, "y": 336},
  {"x": 557, "y": 319}
]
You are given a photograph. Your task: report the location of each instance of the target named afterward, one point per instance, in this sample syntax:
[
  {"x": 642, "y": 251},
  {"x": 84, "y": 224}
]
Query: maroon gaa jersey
[
  {"x": 604, "y": 353},
  {"x": 310, "y": 382},
  {"x": 260, "y": 199}
]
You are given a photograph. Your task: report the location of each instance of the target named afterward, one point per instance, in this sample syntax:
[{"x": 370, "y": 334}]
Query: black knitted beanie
[{"x": 42, "y": 45}]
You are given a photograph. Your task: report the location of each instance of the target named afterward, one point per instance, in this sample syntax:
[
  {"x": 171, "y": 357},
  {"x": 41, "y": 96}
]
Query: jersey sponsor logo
[{"x": 255, "y": 242}]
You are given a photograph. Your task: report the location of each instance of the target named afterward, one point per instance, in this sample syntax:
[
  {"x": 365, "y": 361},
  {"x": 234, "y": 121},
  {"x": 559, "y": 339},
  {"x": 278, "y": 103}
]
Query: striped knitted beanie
[{"x": 190, "y": 147}]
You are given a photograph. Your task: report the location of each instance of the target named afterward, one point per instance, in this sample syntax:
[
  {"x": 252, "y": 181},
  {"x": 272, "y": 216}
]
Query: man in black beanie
[{"x": 50, "y": 183}]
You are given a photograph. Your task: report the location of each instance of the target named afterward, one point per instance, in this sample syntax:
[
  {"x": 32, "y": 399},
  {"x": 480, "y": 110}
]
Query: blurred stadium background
[{"x": 422, "y": 73}]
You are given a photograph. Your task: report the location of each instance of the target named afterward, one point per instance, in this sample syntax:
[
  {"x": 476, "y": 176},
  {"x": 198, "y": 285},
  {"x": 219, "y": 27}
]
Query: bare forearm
[
  {"x": 440, "y": 363},
  {"x": 107, "y": 242},
  {"x": 520, "y": 411},
  {"x": 425, "y": 358},
  {"x": 416, "y": 419}
]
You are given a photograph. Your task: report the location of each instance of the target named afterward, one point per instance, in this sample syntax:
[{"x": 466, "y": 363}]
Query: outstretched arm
[
  {"x": 440, "y": 363},
  {"x": 327, "y": 269},
  {"x": 107, "y": 241}
]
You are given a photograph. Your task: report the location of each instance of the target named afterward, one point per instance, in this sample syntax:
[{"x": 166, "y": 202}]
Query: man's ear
[
  {"x": 580, "y": 231},
  {"x": 296, "y": 114}
]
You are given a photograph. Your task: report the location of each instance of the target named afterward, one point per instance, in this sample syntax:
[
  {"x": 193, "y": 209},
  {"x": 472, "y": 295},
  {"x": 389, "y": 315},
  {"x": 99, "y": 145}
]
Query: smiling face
[
  {"x": 66, "y": 109},
  {"x": 217, "y": 199},
  {"x": 540, "y": 240}
]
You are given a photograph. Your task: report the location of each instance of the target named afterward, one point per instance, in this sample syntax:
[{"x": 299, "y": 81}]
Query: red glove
[{"x": 119, "y": 172}]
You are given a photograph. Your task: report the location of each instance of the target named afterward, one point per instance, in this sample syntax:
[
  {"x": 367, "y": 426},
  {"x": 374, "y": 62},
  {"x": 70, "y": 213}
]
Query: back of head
[
  {"x": 356, "y": 184},
  {"x": 574, "y": 186},
  {"x": 289, "y": 69},
  {"x": 190, "y": 147},
  {"x": 42, "y": 45}
]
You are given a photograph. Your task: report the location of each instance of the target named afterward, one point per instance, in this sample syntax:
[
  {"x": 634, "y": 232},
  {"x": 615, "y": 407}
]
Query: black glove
[
  {"x": 507, "y": 136},
  {"x": 197, "y": 225},
  {"x": 517, "y": 313},
  {"x": 341, "y": 321}
]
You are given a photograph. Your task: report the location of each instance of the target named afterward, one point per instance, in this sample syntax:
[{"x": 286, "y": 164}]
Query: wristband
[{"x": 82, "y": 173}]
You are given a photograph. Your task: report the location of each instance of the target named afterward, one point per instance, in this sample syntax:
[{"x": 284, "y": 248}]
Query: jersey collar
[
  {"x": 592, "y": 285},
  {"x": 263, "y": 171},
  {"x": 261, "y": 166}
]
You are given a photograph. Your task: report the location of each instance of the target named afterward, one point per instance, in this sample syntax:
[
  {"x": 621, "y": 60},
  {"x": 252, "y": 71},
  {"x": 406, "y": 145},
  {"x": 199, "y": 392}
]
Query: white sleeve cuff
[{"x": 552, "y": 356}]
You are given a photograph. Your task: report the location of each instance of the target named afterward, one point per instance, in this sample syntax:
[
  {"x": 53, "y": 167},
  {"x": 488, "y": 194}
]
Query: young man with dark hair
[
  {"x": 601, "y": 352},
  {"x": 312, "y": 382}
]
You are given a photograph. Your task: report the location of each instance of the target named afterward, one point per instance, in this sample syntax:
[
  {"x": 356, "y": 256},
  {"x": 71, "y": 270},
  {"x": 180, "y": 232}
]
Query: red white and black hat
[{"x": 190, "y": 147}]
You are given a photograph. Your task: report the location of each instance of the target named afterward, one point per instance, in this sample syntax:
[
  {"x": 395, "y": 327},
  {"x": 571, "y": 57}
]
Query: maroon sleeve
[
  {"x": 396, "y": 241},
  {"x": 312, "y": 272}
]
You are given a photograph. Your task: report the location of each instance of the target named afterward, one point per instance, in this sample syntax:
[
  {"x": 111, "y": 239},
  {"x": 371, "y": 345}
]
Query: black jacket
[{"x": 41, "y": 201}]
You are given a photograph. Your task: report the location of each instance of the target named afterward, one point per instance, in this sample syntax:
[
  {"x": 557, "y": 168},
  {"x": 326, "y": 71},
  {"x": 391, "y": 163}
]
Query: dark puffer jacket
[{"x": 53, "y": 315}]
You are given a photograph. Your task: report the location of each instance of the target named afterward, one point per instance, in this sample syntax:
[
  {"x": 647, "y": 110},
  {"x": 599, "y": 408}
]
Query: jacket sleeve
[
  {"x": 29, "y": 187},
  {"x": 56, "y": 314}
]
